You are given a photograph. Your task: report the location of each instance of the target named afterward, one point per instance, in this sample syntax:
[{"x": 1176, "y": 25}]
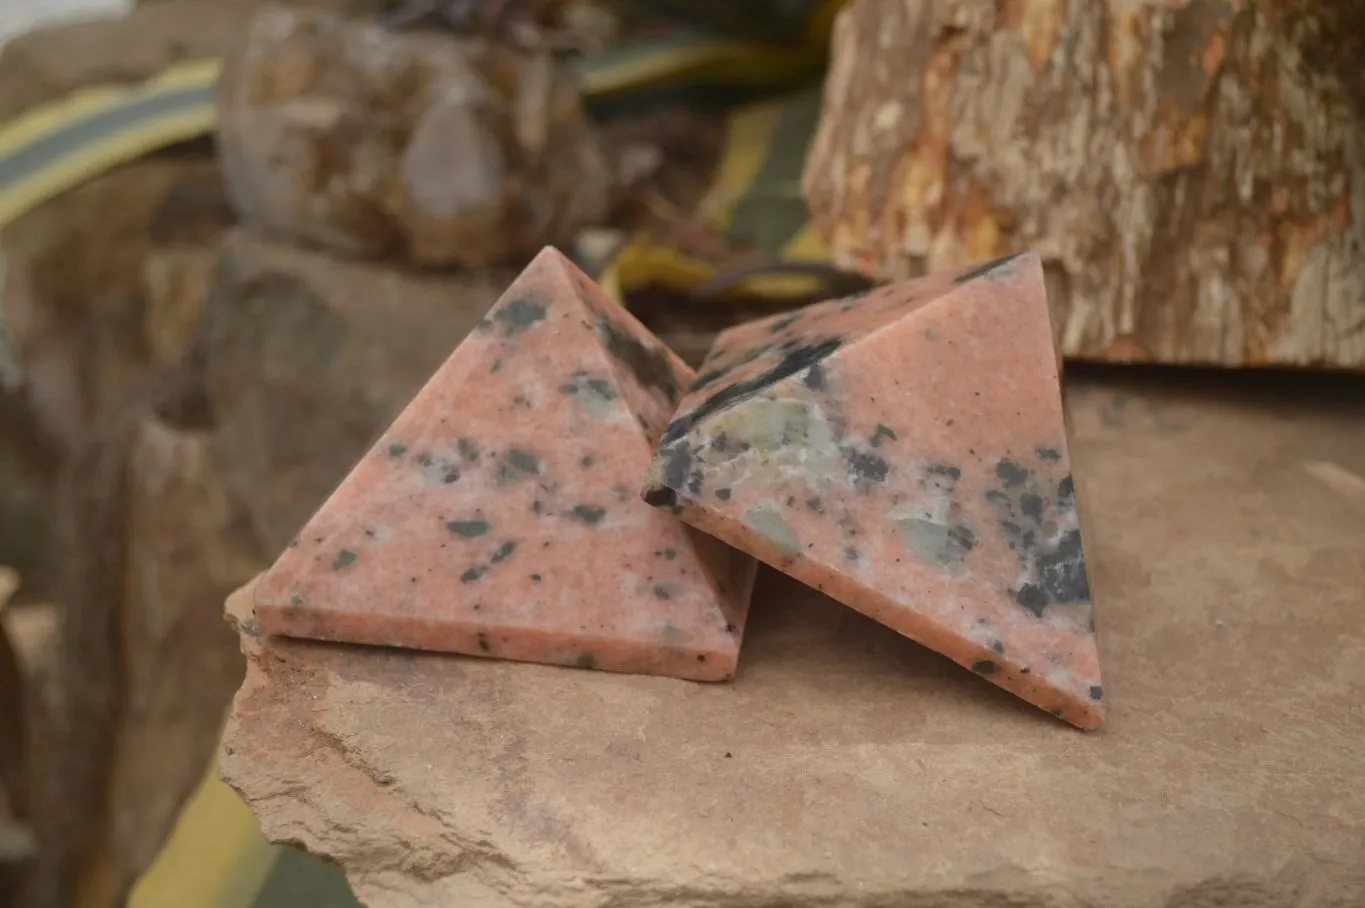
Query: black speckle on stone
[
  {"x": 503, "y": 552},
  {"x": 1032, "y": 506},
  {"x": 815, "y": 378},
  {"x": 483, "y": 643},
  {"x": 538, "y": 506},
  {"x": 251, "y": 628},
  {"x": 694, "y": 482},
  {"x": 295, "y": 601},
  {"x": 723, "y": 494},
  {"x": 467, "y": 528},
  {"x": 678, "y": 464},
  {"x": 881, "y": 435},
  {"x": 1066, "y": 494},
  {"x": 670, "y": 554},
  {"x": 793, "y": 362},
  {"x": 663, "y": 591},
  {"x": 782, "y": 324},
  {"x": 473, "y": 574},
  {"x": 650, "y": 365},
  {"x": 728, "y": 755},
  {"x": 1063, "y": 570},
  {"x": 661, "y": 497},
  {"x": 1032, "y": 597},
  {"x": 867, "y": 467},
  {"x": 1049, "y": 454},
  {"x": 701, "y": 657},
  {"x": 344, "y": 559},
  {"x": 1011, "y": 473},
  {"x": 1056, "y": 713},
  {"x": 816, "y": 505},
  {"x": 995, "y": 496},
  {"x": 963, "y": 537},
  {"x": 535, "y": 577},
  {"x": 1025, "y": 670},
  {"x": 601, "y": 387},
  {"x": 568, "y": 388},
  {"x": 985, "y": 667},
  {"x": 586, "y": 660},
  {"x": 425, "y": 460},
  {"x": 523, "y": 461},
  {"x": 709, "y": 376},
  {"x": 586, "y": 460},
  {"x": 468, "y": 450},
  {"x": 397, "y": 450},
  {"x": 1096, "y": 692},
  {"x": 589, "y": 514},
  {"x": 497, "y": 364},
  {"x": 850, "y": 553},
  {"x": 791, "y": 501},
  {"x": 518, "y": 315},
  {"x": 985, "y": 268},
  {"x": 942, "y": 469},
  {"x": 998, "y": 647}
]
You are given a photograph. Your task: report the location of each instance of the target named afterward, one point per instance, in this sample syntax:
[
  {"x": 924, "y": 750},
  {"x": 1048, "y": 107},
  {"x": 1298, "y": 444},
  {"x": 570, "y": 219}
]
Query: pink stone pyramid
[
  {"x": 906, "y": 452},
  {"x": 499, "y": 515}
]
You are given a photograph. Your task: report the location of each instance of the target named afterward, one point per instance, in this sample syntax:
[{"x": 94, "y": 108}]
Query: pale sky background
[{"x": 21, "y": 15}]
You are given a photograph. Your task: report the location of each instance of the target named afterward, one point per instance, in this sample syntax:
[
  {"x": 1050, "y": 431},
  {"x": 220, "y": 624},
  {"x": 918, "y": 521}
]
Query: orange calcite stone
[
  {"x": 905, "y": 452},
  {"x": 499, "y": 515}
]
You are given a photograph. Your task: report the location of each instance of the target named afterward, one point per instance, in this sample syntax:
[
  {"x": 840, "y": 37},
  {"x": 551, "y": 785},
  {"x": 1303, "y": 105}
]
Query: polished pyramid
[
  {"x": 499, "y": 515},
  {"x": 905, "y": 452}
]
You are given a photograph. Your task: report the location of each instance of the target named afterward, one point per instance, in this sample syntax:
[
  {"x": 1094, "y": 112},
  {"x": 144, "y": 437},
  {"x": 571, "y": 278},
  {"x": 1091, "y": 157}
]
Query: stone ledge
[{"x": 847, "y": 766}]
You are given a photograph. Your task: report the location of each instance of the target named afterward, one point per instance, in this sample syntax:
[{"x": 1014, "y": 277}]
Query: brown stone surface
[
  {"x": 846, "y": 765},
  {"x": 378, "y": 143},
  {"x": 47, "y": 63},
  {"x": 293, "y": 335},
  {"x": 187, "y": 544},
  {"x": 83, "y": 335},
  {"x": 1191, "y": 171},
  {"x": 905, "y": 452}
]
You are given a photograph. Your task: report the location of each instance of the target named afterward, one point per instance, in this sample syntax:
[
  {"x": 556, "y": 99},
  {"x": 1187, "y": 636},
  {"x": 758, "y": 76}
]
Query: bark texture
[{"x": 1191, "y": 171}]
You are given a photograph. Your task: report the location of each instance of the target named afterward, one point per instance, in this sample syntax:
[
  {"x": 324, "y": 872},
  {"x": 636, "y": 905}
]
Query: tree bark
[{"x": 1191, "y": 171}]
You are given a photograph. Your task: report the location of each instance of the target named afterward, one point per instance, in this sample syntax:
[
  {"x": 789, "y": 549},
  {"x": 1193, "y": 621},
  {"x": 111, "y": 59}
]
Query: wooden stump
[{"x": 1191, "y": 171}]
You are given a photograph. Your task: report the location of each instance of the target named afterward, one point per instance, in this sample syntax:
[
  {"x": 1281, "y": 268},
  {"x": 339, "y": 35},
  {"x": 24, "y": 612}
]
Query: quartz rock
[
  {"x": 343, "y": 134},
  {"x": 906, "y": 453},
  {"x": 499, "y": 514}
]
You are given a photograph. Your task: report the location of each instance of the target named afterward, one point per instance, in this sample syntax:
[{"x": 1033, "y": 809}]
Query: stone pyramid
[
  {"x": 499, "y": 515},
  {"x": 905, "y": 452}
]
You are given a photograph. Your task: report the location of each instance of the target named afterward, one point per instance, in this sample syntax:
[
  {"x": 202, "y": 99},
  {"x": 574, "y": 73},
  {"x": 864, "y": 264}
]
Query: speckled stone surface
[
  {"x": 499, "y": 515},
  {"x": 906, "y": 452}
]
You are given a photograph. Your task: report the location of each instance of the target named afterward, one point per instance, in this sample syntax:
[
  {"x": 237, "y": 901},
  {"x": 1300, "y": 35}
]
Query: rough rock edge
[{"x": 291, "y": 807}]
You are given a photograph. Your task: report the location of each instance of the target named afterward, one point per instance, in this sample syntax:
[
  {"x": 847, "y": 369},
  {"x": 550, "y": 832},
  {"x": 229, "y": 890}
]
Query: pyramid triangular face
[
  {"x": 499, "y": 515},
  {"x": 906, "y": 453}
]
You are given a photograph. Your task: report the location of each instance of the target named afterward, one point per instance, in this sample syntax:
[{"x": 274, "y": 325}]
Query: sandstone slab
[
  {"x": 846, "y": 765},
  {"x": 498, "y": 516},
  {"x": 905, "y": 451}
]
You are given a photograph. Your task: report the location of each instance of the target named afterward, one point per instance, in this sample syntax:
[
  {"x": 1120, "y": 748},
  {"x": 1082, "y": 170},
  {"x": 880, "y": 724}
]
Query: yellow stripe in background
[
  {"x": 748, "y": 138},
  {"x": 68, "y": 171},
  {"x": 215, "y": 857},
  {"x": 46, "y": 119},
  {"x": 90, "y": 156}
]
